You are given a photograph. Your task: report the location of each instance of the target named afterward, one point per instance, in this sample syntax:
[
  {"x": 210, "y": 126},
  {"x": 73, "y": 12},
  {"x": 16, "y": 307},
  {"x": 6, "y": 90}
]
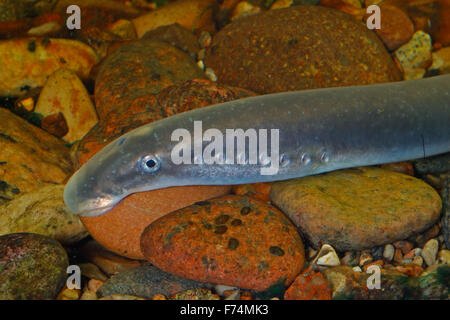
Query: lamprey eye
[{"x": 150, "y": 163}]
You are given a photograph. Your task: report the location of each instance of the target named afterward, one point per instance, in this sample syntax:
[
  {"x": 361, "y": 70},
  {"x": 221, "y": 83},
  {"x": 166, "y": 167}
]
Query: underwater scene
[{"x": 245, "y": 151}]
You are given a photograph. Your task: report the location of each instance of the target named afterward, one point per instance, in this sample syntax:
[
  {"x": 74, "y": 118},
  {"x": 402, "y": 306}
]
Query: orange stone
[
  {"x": 119, "y": 230},
  {"x": 309, "y": 285}
]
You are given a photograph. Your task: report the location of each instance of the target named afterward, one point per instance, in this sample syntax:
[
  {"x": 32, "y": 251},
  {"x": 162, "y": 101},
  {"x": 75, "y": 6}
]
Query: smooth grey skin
[{"x": 334, "y": 128}]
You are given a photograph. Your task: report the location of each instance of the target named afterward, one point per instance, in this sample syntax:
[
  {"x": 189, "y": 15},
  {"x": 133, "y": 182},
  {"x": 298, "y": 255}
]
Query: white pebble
[
  {"x": 388, "y": 252},
  {"x": 429, "y": 252},
  {"x": 327, "y": 257},
  {"x": 211, "y": 74}
]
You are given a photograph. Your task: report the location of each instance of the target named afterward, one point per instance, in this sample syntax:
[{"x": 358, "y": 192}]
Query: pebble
[
  {"x": 327, "y": 257},
  {"x": 45, "y": 30},
  {"x": 266, "y": 48},
  {"x": 398, "y": 256},
  {"x": 121, "y": 297},
  {"x": 39, "y": 59},
  {"x": 195, "y": 294},
  {"x": 205, "y": 39},
  {"x": 107, "y": 261},
  {"x": 44, "y": 212},
  {"x": 441, "y": 61},
  {"x": 404, "y": 245},
  {"x": 429, "y": 252},
  {"x": 444, "y": 256},
  {"x": 351, "y": 258},
  {"x": 89, "y": 295},
  {"x": 33, "y": 267},
  {"x": 221, "y": 241},
  {"x": 64, "y": 93},
  {"x": 418, "y": 261},
  {"x": 221, "y": 289},
  {"x": 388, "y": 252},
  {"x": 146, "y": 282},
  {"x": 396, "y": 27},
  {"x": 30, "y": 157},
  {"x": 123, "y": 28},
  {"x": 200, "y": 17},
  {"x": 359, "y": 208},
  {"x": 245, "y": 9},
  {"x": 69, "y": 294},
  {"x": 416, "y": 53},
  {"x": 211, "y": 74},
  {"x": 309, "y": 285},
  {"x": 365, "y": 258},
  {"x": 280, "y": 4},
  {"x": 91, "y": 271}
]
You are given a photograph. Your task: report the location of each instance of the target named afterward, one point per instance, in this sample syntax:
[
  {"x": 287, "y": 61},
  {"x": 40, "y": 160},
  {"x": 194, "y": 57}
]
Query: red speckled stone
[{"x": 231, "y": 240}]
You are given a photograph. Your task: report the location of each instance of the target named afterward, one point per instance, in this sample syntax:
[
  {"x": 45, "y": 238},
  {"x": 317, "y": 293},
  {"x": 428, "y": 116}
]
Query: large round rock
[
  {"x": 231, "y": 240},
  {"x": 31, "y": 267},
  {"x": 358, "y": 208},
  {"x": 138, "y": 70},
  {"x": 301, "y": 47}
]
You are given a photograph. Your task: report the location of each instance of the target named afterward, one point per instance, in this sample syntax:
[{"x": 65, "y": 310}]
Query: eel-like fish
[{"x": 297, "y": 134}]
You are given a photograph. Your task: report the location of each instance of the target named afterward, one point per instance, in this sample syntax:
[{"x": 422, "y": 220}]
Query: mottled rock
[
  {"x": 31, "y": 267},
  {"x": 30, "y": 157},
  {"x": 358, "y": 208},
  {"x": 147, "y": 281},
  {"x": 273, "y": 52},
  {"x": 134, "y": 72},
  {"x": 26, "y": 63},
  {"x": 199, "y": 17},
  {"x": 43, "y": 212},
  {"x": 222, "y": 241},
  {"x": 416, "y": 53},
  {"x": 309, "y": 285},
  {"x": 176, "y": 36},
  {"x": 65, "y": 93}
]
